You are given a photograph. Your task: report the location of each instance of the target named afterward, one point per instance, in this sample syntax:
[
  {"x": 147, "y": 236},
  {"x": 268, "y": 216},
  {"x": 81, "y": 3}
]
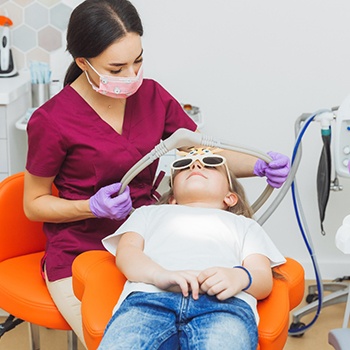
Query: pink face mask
[{"x": 116, "y": 87}]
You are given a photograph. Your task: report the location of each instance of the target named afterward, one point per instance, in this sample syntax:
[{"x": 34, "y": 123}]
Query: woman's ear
[
  {"x": 231, "y": 199},
  {"x": 81, "y": 63}
]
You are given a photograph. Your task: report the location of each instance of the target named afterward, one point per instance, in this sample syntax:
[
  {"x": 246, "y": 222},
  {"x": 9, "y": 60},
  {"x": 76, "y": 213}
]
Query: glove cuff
[
  {"x": 259, "y": 168},
  {"x": 92, "y": 207}
]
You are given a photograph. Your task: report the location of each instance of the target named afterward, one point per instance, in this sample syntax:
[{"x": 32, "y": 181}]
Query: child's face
[{"x": 199, "y": 184}]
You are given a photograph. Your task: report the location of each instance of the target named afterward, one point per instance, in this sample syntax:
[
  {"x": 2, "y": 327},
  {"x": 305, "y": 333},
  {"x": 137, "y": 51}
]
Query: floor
[{"x": 314, "y": 338}]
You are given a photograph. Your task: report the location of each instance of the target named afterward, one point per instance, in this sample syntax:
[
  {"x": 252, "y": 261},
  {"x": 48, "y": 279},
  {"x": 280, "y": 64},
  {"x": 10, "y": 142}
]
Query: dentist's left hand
[
  {"x": 106, "y": 204},
  {"x": 276, "y": 171}
]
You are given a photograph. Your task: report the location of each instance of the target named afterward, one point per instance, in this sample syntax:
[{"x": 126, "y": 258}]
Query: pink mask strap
[{"x": 92, "y": 67}]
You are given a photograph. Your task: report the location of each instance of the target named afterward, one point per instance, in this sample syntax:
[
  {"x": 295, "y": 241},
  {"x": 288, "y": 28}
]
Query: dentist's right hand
[{"x": 106, "y": 204}]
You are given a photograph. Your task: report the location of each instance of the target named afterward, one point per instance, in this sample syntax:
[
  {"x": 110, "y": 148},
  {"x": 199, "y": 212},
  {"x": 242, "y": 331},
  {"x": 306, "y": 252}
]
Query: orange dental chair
[
  {"x": 23, "y": 292},
  {"x": 98, "y": 283}
]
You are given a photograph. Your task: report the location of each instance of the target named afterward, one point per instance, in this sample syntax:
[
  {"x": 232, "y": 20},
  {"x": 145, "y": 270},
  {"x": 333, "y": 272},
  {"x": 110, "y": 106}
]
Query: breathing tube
[
  {"x": 186, "y": 138},
  {"x": 323, "y": 179}
]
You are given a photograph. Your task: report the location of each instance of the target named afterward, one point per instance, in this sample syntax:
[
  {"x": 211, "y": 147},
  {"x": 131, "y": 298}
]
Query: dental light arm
[{"x": 186, "y": 138}]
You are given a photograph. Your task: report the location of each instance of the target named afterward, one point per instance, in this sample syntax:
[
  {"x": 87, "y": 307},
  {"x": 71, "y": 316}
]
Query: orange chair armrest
[
  {"x": 274, "y": 310},
  {"x": 96, "y": 277},
  {"x": 295, "y": 277}
]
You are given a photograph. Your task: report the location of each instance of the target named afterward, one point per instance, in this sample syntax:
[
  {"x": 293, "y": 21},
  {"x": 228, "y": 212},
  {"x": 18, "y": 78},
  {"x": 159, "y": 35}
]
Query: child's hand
[
  {"x": 222, "y": 282},
  {"x": 178, "y": 281}
]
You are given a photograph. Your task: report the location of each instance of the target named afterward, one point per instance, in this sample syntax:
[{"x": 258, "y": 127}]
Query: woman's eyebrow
[
  {"x": 141, "y": 53},
  {"x": 124, "y": 64}
]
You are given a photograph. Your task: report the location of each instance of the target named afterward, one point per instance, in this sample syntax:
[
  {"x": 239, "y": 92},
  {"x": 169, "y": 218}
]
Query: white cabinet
[{"x": 15, "y": 97}]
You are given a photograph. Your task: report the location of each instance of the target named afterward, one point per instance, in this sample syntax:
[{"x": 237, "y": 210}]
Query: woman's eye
[
  {"x": 116, "y": 71},
  {"x": 140, "y": 60}
]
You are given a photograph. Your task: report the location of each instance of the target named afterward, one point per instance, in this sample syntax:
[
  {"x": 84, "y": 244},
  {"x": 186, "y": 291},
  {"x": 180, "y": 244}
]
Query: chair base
[
  {"x": 10, "y": 323},
  {"x": 340, "y": 292}
]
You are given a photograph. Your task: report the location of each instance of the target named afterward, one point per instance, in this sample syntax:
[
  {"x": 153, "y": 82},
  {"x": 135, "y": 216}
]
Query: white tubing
[{"x": 186, "y": 138}]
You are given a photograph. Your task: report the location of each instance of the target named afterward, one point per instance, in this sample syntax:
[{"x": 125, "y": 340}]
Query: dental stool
[
  {"x": 97, "y": 282},
  {"x": 23, "y": 292}
]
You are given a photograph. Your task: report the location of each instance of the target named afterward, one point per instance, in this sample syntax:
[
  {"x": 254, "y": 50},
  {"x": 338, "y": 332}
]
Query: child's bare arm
[
  {"x": 138, "y": 267},
  {"x": 259, "y": 267}
]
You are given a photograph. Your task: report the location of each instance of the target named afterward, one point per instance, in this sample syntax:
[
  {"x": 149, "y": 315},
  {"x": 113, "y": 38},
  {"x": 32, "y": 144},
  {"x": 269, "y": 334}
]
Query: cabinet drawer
[
  {"x": 3, "y": 132},
  {"x": 3, "y": 157}
]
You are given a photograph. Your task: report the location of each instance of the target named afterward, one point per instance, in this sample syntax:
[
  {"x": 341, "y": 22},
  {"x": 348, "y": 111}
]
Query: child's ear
[
  {"x": 172, "y": 200},
  {"x": 231, "y": 199}
]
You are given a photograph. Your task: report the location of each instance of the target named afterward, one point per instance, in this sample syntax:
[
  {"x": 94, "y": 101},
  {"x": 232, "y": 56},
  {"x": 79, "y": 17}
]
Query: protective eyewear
[{"x": 211, "y": 161}]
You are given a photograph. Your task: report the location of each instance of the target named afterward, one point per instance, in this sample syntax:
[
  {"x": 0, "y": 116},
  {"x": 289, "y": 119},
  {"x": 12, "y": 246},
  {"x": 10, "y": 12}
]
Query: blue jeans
[{"x": 169, "y": 321}]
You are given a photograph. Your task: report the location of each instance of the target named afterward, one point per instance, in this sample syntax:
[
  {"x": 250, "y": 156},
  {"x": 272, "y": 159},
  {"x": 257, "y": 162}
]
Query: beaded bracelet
[{"x": 249, "y": 276}]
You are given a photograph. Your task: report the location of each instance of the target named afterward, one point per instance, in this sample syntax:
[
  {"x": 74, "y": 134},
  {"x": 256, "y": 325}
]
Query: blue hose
[{"x": 309, "y": 248}]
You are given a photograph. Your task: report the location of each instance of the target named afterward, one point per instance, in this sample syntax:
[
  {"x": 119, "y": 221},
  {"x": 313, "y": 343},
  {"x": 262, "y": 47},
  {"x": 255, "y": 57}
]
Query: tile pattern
[{"x": 39, "y": 28}]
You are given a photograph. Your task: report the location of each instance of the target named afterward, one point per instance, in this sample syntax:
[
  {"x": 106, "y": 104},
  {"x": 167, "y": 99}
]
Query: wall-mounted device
[
  {"x": 7, "y": 63},
  {"x": 341, "y": 136}
]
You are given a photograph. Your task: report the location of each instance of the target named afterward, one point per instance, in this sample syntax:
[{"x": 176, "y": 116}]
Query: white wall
[{"x": 253, "y": 67}]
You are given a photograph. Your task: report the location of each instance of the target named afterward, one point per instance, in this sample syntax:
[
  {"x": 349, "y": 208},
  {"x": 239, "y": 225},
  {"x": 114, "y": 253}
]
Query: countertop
[{"x": 14, "y": 87}]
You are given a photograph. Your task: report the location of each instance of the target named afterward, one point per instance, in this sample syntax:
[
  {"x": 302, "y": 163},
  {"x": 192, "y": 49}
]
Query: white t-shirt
[{"x": 180, "y": 237}]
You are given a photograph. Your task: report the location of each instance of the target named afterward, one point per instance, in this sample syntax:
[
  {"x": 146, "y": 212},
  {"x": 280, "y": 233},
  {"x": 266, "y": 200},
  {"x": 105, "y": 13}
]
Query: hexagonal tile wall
[{"x": 39, "y": 28}]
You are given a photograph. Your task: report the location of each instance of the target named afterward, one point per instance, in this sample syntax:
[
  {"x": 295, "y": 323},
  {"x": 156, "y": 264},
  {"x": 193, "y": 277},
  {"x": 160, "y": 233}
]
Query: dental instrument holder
[
  {"x": 186, "y": 138},
  {"x": 342, "y": 139},
  {"x": 40, "y": 94}
]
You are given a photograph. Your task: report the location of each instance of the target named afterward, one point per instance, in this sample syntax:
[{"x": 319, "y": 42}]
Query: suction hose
[{"x": 325, "y": 116}]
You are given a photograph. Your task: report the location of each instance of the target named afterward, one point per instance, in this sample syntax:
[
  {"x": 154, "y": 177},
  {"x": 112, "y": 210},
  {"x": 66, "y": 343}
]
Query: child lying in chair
[{"x": 196, "y": 266}]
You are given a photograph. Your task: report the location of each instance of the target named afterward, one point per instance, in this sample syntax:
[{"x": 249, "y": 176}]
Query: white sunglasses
[{"x": 212, "y": 161}]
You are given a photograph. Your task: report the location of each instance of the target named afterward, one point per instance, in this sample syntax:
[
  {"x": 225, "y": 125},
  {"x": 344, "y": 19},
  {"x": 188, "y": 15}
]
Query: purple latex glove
[
  {"x": 276, "y": 171},
  {"x": 105, "y": 203}
]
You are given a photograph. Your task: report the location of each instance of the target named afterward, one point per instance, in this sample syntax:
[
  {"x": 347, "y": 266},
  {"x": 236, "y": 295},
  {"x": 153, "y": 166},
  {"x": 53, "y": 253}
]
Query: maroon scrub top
[{"x": 67, "y": 139}]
